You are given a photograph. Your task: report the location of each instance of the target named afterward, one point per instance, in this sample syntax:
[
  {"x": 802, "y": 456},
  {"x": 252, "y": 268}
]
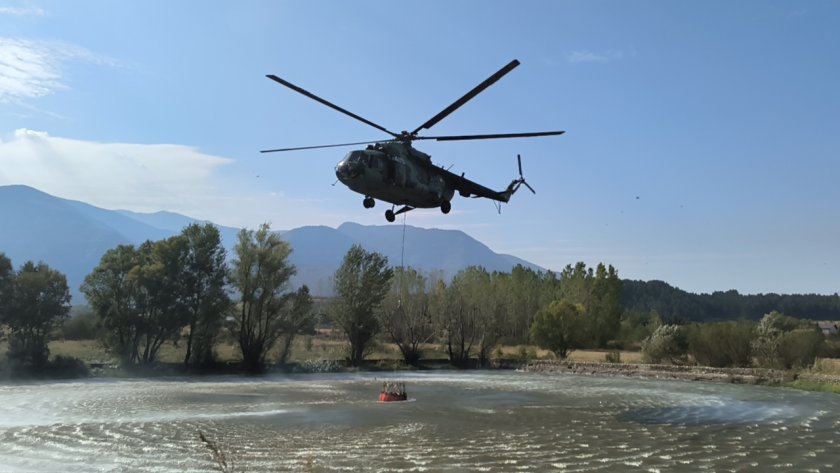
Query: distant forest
[{"x": 677, "y": 306}]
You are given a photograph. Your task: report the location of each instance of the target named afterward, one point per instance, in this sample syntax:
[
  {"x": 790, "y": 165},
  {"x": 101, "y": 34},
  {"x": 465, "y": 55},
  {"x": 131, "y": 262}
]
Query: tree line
[
  {"x": 183, "y": 290},
  {"x": 676, "y": 305}
]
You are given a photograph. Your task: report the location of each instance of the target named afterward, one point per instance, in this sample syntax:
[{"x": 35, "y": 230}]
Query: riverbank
[{"x": 800, "y": 379}]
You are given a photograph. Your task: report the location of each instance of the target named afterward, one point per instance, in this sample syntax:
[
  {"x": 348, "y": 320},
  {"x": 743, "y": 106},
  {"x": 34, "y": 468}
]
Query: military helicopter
[{"x": 395, "y": 172}]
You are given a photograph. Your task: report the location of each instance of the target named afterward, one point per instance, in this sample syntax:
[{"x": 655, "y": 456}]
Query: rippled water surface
[{"x": 476, "y": 421}]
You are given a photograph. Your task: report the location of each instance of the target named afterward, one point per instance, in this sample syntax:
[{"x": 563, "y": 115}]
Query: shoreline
[{"x": 755, "y": 376}]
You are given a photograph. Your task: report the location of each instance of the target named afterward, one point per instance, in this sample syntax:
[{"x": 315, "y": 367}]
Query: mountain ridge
[{"x": 32, "y": 219}]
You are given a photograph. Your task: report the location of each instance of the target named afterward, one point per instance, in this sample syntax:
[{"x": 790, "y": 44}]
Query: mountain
[{"x": 72, "y": 236}]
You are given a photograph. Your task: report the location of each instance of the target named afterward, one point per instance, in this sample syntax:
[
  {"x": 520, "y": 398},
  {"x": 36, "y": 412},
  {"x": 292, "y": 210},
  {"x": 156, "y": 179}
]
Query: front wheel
[
  {"x": 368, "y": 202},
  {"x": 389, "y": 215},
  {"x": 445, "y": 207}
]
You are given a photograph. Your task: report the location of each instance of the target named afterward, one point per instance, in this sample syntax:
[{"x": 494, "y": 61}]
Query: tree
[
  {"x": 667, "y": 344},
  {"x": 202, "y": 289},
  {"x": 38, "y": 301},
  {"x": 161, "y": 314},
  {"x": 784, "y": 342},
  {"x": 261, "y": 273},
  {"x": 111, "y": 293},
  {"x": 722, "y": 344},
  {"x": 454, "y": 322},
  {"x": 6, "y": 276},
  {"x": 769, "y": 334},
  {"x": 599, "y": 292},
  {"x": 360, "y": 283},
  {"x": 557, "y": 327},
  {"x": 482, "y": 300},
  {"x": 136, "y": 293},
  {"x": 406, "y": 313},
  {"x": 296, "y": 318}
]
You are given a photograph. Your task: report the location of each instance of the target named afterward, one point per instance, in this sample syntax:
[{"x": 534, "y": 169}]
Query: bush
[
  {"x": 67, "y": 367},
  {"x": 667, "y": 344},
  {"x": 785, "y": 343},
  {"x": 722, "y": 344},
  {"x": 613, "y": 356},
  {"x": 800, "y": 348}
]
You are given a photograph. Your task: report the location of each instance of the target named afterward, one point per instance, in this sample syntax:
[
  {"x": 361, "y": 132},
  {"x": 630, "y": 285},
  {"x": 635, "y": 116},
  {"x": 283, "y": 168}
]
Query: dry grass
[
  {"x": 827, "y": 366},
  {"x": 599, "y": 356},
  {"x": 326, "y": 346}
]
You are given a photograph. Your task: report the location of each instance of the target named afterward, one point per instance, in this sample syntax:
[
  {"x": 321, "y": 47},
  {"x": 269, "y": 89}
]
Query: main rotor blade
[
  {"x": 469, "y": 95},
  {"x": 319, "y": 146},
  {"x": 489, "y": 137},
  {"x": 329, "y": 104}
]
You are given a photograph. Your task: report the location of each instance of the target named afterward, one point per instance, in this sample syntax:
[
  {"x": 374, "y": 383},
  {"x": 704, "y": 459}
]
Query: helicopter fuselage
[{"x": 395, "y": 173}]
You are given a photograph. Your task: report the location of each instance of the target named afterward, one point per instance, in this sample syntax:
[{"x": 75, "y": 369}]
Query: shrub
[
  {"x": 613, "y": 356},
  {"x": 722, "y": 344},
  {"x": 667, "y": 344}
]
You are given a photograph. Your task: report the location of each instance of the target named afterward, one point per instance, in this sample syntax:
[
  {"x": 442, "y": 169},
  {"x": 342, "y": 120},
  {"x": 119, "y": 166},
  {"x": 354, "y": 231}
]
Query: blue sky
[{"x": 702, "y": 138}]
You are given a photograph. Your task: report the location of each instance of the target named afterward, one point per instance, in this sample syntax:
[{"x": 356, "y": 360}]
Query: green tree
[
  {"x": 406, "y": 313},
  {"x": 111, "y": 294},
  {"x": 452, "y": 320},
  {"x": 6, "y": 276},
  {"x": 599, "y": 292},
  {"x": 557, "y": 327},
  {"x": 784, "y": 342},
  {"x": 482, "y": 299},
  {"x": 202, "y": 290},
  {"x": 770, "y": 331},
  {"x": 38, "y": 301},
  {"x": 261, "y": 273},
  {"x": 297, "y": 318},
  {"x": 161, "y": 314},
  {"x": 136, "y": 293},
  {"x": 722, "y": 344},
  {"x": 361, "y": 283},
  {"x": 667, "y": 344}
]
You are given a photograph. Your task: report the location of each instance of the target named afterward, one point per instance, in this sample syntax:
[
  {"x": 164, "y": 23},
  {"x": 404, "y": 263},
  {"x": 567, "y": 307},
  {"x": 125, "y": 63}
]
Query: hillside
[{"x": 72, "y": 236}]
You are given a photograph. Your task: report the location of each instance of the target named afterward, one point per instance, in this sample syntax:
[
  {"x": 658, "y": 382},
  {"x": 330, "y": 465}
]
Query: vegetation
[
  {"x": 721, "y": 344},
  {"x": 203, "y": 290},
  {"x": 170, "y": 300},
  {"x": 361, "y": 283},
  {"x": 559, "y": 327},
  {"x": 668, "y": 344},
  {"x": 266, "y": 311},
  {"x": 676, "y": 305},
  {"x": 34, "y": 301},
  {"x": 406, "y": 314}
]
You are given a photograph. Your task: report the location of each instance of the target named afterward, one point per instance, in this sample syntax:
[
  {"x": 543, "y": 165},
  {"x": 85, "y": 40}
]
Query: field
[{"x": 324, "y": 346}]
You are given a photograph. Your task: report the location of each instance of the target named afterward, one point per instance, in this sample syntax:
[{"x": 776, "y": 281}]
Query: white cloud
[
  {"x": 17, "y": 11},
  {"x": 149, "y": 178},
  {"x": 32, "y": 69},
  {"x": 112, "y": 175},
  {"x": 586, "y": 55}
]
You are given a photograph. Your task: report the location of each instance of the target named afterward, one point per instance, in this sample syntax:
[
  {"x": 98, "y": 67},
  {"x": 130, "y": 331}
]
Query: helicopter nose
[
  {"x": 344, "y": 171},
  {"x": 341, "y": 171}
]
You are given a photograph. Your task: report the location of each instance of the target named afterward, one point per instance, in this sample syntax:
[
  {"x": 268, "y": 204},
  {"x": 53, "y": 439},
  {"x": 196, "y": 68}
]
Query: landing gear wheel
[
  {"x": 368, "y": 202},
  {"x": 389, "y": 215},
  {"x": 445, "y": 207}
]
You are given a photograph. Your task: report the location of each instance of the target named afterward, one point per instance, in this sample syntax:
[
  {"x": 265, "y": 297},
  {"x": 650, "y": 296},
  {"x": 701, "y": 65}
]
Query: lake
[{"x": 454, "y": 421}]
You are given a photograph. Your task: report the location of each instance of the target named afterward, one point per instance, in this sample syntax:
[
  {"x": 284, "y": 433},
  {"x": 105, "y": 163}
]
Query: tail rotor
[{"x": 522, "y": 179}]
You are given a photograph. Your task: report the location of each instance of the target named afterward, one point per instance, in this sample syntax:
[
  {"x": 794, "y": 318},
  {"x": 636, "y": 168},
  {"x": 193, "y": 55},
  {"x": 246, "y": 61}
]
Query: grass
[
  {"x": 818, "y": 386},
  {"x": 323, "y": 346}
]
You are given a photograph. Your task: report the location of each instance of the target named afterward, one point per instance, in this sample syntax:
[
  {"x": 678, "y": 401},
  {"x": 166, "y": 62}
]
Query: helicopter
[{"x": 394, "y": 171}]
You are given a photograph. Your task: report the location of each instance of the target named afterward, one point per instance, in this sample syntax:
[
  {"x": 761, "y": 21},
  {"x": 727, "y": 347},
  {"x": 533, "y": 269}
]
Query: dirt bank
[{"x": 694, "y": 373}]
